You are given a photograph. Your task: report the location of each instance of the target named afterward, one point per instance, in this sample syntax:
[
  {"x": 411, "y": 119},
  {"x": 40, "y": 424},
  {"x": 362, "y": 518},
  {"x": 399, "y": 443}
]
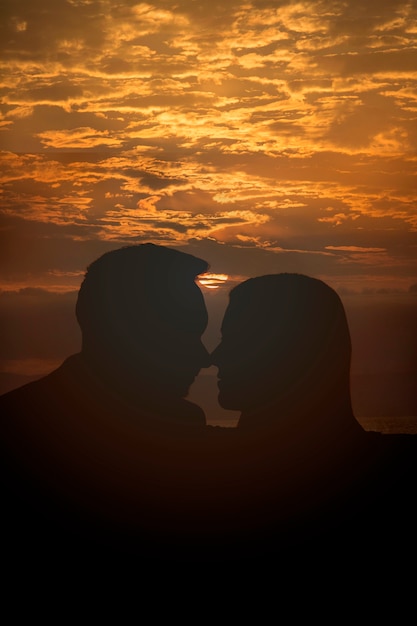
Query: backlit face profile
[
  {"x": 142, "y": 317},
  {"x": 285, "y": 342},
  {"x": 174, "y": 350}
]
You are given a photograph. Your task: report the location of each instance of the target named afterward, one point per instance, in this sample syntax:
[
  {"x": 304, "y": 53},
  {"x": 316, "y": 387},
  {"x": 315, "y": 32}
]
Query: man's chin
[{"x": 180, "y": 389}]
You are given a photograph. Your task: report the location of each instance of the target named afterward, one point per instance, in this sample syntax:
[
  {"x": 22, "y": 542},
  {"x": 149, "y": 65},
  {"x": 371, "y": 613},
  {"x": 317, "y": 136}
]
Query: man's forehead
[{"x": 182, "y": 308}]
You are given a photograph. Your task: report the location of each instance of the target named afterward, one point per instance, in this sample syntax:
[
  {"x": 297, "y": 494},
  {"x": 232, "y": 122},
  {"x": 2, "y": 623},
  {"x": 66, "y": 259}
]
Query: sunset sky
[{"x": 263, "y": 136}]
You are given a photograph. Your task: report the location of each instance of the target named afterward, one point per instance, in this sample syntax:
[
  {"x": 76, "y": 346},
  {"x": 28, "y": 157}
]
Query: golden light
[{"x": 212, "y": 281}]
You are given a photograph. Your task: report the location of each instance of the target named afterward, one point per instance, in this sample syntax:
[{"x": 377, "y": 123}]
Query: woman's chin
[{"x": 229, "y": 401}]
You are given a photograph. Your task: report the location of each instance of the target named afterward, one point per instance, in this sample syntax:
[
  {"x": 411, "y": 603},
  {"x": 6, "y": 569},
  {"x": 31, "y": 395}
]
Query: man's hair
[{"x": 142, "y": 278}]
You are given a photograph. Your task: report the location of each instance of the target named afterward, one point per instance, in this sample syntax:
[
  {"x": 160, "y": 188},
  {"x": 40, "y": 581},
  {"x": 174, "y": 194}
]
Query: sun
[{"x": 212, "y": 281}]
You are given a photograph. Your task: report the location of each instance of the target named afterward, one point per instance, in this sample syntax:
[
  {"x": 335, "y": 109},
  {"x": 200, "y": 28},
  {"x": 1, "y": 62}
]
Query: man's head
[
  {"x": 285, "y": 342},
  {"x": 142, "y": 316}
]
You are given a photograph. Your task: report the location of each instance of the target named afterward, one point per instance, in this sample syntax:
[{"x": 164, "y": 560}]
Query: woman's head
[{"x": 285, "y": 344}]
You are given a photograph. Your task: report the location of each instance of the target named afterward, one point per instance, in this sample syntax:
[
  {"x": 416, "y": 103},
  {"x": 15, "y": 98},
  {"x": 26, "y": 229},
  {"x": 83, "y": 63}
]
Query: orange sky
[{"x": 264, "y": 136}]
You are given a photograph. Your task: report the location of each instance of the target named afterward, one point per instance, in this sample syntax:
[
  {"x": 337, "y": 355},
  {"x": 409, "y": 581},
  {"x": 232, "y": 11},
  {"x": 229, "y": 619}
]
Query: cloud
[
  {"x": 354, "y": 249},
  {"x": 285, "y": 128},
  {"x": 78, "y": 138},
  {"x": 265, "y": 136}
]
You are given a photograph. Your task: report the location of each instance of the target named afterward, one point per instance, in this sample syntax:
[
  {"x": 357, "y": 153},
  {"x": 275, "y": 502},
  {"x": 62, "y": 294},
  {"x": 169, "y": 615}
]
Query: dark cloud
[
  {"x": 30, "y": 31},
  {"x": 357, "y": 17},
  {"x": 379, "y": 62},
  {"x": 58, "y": 90},
  {"x": 30, "y": 249}
]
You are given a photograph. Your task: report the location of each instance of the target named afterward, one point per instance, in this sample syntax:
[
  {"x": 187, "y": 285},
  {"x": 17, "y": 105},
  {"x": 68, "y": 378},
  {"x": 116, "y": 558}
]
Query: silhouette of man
[
  {"x": 106, "y": 435},
  {"x": 305, "y": 463}
]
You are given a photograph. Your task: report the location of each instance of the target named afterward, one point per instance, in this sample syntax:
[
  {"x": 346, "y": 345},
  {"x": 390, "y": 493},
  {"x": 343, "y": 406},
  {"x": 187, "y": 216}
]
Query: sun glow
[{"x": 213, "y": 281}]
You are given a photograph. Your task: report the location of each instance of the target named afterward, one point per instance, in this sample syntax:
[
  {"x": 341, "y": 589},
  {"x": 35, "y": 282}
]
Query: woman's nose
[{"x": 214, "y": 356}]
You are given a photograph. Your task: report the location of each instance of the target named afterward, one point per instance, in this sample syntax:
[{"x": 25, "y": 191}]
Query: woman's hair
[{"x": 298, "y": 337}]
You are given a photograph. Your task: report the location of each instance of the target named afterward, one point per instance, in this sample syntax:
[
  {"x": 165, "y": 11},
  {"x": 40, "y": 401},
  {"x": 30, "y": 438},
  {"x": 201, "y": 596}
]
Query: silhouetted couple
[{"x": 107, "y": 447}]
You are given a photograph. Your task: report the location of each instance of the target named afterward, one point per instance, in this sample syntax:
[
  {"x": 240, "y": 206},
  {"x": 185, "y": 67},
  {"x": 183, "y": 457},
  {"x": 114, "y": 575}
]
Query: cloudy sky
[{"x": 264, "y": 136}]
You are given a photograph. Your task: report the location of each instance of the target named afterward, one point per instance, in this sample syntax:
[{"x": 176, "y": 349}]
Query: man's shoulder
[
  {"x": 38, "y": 392},
  {"x": 24, "y": 392}
]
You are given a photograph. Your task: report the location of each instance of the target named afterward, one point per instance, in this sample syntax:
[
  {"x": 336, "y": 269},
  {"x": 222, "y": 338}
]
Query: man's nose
[{"x": 204, "y": 356}]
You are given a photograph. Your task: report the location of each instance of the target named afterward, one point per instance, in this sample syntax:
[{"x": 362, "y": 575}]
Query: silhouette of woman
[
  {"x": 284, "y": 362},
  {"x": 285, "y": 356}
]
